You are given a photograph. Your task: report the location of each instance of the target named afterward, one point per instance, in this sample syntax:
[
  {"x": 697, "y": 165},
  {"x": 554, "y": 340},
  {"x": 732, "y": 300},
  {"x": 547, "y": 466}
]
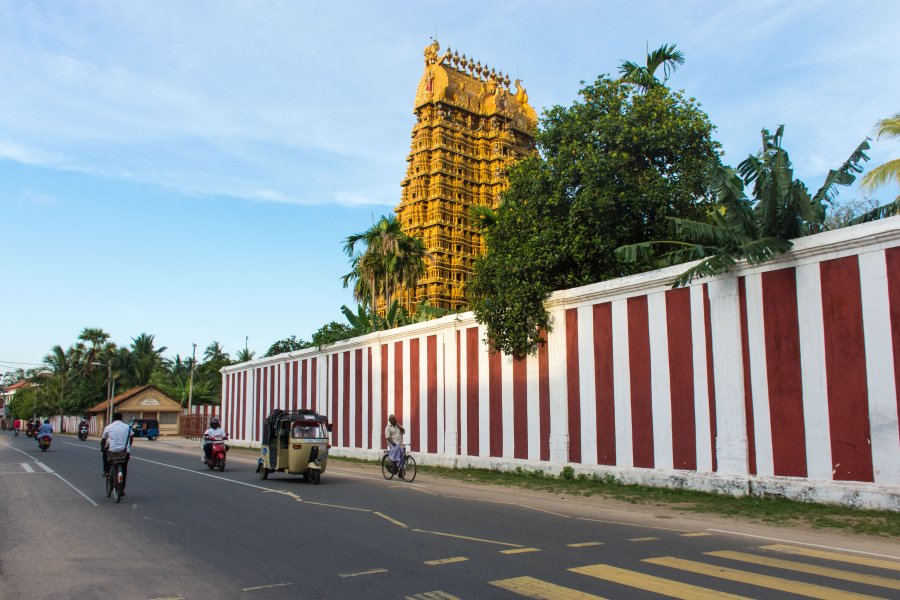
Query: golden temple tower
[{"x": 470, "y": 126}]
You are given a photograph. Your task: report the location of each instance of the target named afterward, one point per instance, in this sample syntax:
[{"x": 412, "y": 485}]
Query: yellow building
[
  {"x": 470, "y": 126},
  {"x": 142, "y": 402}
]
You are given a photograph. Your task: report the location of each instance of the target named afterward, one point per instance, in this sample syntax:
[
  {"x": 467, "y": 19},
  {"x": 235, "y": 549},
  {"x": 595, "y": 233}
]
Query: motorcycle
[
  {"x": 217, "y": 453},
  {"x": 31, "y": 432},
  {"x": 44, "y": 442},
  {"x": 83, "y": 432}
]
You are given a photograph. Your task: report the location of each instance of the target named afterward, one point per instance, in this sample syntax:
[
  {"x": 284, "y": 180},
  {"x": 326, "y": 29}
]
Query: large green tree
[{"x": 611, "y": 167}]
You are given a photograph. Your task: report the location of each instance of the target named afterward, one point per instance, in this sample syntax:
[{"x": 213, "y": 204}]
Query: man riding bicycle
[
  {"x": 114, "y": 444},
  {"x": 393, "y": 433}
]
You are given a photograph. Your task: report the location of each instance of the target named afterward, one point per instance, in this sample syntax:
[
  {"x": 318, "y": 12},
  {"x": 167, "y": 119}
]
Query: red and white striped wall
[{"x": 781, "y": 378}]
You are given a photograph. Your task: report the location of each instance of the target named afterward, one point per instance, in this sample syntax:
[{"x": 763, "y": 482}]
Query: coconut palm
[
  {"x": 391, "y": 260},
  {"x": 62, "y": 367},
  {"x": 889, "y": 171},
  {"x": 144, "y": 359},
  {"x": 644, "y": 76},
  {"x": 754, "y": 229},
  {"x": 215, "y": 353}
]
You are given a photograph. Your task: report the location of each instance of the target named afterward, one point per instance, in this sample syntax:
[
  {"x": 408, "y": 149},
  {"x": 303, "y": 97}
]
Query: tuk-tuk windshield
[{"x": 308, "y": 429}]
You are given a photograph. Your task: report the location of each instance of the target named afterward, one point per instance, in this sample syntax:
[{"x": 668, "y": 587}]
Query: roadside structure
[
  {"x": 142, "y": 402},
  {"x": 470, "y": 127}
]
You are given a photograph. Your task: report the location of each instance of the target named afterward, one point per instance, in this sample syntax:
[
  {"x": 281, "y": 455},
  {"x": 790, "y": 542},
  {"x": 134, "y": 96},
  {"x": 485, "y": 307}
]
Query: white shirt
[
  {"x": 117, "y": 433},
  {"x": 212, "y": 433}
]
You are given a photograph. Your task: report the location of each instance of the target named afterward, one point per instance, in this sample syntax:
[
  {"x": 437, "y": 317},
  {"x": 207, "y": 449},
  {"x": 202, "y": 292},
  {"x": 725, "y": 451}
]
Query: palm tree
[
  {"x": 889, "y": 171},
  {"x": 245, "y": 355},
  {"x": 644, "y": 76},
  {"x": 144, "y": 359},
  {"x": 61, "y": 363},
  {"x": 215, "y": 353},
  {"x": 757, "y": 229},
  {"x": 391, "y": 260}
]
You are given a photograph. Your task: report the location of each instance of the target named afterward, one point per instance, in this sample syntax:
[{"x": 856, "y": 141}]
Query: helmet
[{"x": 214, "y": 422}]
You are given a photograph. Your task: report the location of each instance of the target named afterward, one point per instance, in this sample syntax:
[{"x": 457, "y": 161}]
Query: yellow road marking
[
  {"x": 265, "y": 587},
  {"x": 466, "y": 537},
  {"x": 436, "y": 595},
  {"x": 793, "y": 565},
  {"x": 584, "y": 544},
  {"x": 394, "y": 521},
  {"x": 767, "y": 581},
  {"x": 644, "y": 539},
  {"x": 519, "y": 550},
  {"x": 697, "y": 534},
  {"x": 838, "y": 556},
  {"x": 541, "y": 590},
  {"x": 357, "y": 509},
  {"x": 446, "y": 561},
  {"x": 651, "y": 583},
  {"x": 372, "y": 572}
]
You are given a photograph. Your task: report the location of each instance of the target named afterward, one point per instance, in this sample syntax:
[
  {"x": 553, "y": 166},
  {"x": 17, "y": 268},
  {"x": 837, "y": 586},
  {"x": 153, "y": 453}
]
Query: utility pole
[{"x": 191, "y": 380}]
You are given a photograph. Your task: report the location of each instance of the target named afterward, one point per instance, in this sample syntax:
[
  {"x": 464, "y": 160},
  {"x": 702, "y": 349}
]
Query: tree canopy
[{"x": 611, "y": 167}]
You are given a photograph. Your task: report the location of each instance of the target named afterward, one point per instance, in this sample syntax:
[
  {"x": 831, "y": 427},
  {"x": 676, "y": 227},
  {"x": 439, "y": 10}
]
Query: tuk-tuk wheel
[{"x": 315, "y": 476}]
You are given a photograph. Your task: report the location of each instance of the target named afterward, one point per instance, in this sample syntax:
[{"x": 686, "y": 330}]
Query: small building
[{"x": 143, "y": 402}]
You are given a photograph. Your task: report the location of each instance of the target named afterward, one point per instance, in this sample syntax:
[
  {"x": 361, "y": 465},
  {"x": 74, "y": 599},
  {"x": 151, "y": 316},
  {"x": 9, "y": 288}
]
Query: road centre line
[
  {"x": 811, "y": 545},
  {"x": 394, "y": 521},
  {"x": 265, "y": 587},
  {"x": 466, "y": 537},
  {"x": 371, "y": 572}
]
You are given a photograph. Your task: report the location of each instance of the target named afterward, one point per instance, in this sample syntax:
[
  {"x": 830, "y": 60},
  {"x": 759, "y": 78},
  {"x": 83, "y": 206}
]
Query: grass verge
[{"x": 772, "y": 511}]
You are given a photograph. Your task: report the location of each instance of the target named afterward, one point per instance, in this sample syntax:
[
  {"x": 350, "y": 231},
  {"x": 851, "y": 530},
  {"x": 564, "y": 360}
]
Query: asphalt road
[{"x": 185, "y": 532}]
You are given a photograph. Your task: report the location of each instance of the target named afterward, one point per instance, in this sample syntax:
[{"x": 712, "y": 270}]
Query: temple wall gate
[{"x": 783, "y": 378}]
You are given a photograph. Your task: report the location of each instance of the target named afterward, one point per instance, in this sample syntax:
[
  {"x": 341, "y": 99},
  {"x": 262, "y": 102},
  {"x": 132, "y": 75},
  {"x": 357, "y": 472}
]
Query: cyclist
[
  {"x": 114, "y": 444},
  {"x": 393, "y": 433}
]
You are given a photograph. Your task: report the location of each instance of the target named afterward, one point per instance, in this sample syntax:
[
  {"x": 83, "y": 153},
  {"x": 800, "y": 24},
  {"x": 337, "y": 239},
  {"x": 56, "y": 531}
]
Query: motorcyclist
[
  {"x": 17, "y": 424},
  {"x": 215, "y": 429},
  {"x": 46, "y": 431},
  {"x": 83, "y": 425}
]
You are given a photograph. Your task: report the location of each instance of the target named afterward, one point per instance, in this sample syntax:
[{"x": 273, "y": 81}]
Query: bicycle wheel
[
  {"x": 117, "y": 485},
  {"x": 387, "y": 467},
  {"x": 109, "y": 485},
  {"x": 408, "y": 471}
]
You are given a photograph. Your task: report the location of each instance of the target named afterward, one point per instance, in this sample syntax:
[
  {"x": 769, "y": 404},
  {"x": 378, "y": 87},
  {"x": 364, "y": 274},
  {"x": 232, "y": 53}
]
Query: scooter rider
[
  {"x": 17, "y": 424},
  {"x": 114, "y": 444},
  {"x": 215, "y": 429},
  {"x": 46, "y": 431}
]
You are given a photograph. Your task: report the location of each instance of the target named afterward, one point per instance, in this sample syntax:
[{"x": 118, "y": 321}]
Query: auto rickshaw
[
  {"x": 148, "y": 428},
  {"x": 295, "y": 443}
]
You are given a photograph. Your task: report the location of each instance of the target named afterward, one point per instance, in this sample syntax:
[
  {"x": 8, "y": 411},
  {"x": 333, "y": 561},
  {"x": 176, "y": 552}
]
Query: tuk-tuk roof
[{"x": 301, "y": 415}]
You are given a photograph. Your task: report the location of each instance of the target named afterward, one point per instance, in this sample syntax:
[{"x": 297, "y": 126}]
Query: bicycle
[
  {"x": 407, "y": 469},
  {"x": 115, "y": 479}
]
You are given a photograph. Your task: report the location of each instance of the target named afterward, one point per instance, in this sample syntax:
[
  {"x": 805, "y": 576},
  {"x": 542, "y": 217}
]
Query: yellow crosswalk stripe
[
  {"x": 644, "y": 539},
  {"x": 445, "y": 561},
  {"x": 793, "y": 565},
  {"x": 530, "y": 587},
  {"x": 519, "y": 550},
  {"x": 584, "y": 544},
  {"x": 696, "y": 534},
  {"x": 436, "y": 595},
  {"x": 838, "y": 556},
  {"x": 767, "y": 581},
  {"x": 651, "y": 583}
]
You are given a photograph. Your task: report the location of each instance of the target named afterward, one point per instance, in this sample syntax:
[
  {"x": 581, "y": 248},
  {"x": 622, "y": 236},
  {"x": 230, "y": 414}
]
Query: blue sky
[{"x": 190, "y": 169}]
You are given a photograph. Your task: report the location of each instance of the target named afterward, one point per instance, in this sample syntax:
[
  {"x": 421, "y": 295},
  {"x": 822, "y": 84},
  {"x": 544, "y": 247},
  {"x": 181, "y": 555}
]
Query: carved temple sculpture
[{"x": 470, "y": 126}]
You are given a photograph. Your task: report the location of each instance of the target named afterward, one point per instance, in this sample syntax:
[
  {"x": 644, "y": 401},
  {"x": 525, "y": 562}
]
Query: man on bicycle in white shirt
[
  {"x": 393, "y": 433},
  {"x": 114, "y": 444}
]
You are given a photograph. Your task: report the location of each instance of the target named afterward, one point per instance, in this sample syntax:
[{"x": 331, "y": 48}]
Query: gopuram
[{"x": 470, "y": 126}]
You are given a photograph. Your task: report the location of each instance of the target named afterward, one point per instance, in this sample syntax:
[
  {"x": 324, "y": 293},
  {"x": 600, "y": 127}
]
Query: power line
[{"x": 12, "y": 362}]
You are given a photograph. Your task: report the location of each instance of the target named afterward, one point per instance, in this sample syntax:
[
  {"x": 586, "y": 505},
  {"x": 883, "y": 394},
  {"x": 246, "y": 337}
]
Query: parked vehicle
[
  {"x": 295, "y": 443},
  {"x": 217, "y": 453},
  {"x": 148, "y": 428}
]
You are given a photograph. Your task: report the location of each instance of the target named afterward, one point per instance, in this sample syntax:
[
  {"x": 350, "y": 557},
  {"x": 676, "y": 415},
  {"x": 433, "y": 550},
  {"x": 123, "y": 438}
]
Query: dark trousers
[{"x": 124, "y": 466}]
